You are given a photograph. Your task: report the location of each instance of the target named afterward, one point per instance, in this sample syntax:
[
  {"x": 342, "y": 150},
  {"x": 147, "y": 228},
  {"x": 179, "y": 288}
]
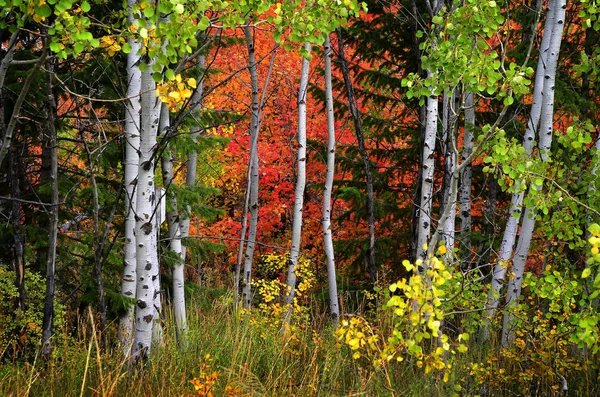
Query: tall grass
[{"x": 250, "y": 359}]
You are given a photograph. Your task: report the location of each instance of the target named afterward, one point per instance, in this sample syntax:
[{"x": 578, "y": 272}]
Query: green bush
[{"x": 21, "y": 331}]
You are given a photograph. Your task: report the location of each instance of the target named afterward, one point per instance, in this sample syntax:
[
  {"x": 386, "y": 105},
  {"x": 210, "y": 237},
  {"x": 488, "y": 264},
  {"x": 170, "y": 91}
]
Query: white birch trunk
[
  {"x": 174, "y": 227},
  {"x": 254, "y": 127},
  {"x": 449, "y": 199},
  {"x": 428, "y": 165},
  {"x": 545, "y": 142},
  {"x": 327, "y": 238},
  {"x": 465, "y": 186},
  {"x": 157, "y": 330},
  {"x": 299, "y": 191},
  {"x": 132, "y": 147},
  {"x": 512, "y": 224},
  {"x": 192, "y": 165},
  {"x": 145, "y": 224}
]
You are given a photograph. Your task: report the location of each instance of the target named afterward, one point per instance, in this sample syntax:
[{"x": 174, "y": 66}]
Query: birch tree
[
  {"x": 174, "y": 226},
  {"x": 326, "y": 222},
  {"x": 465, "y": 177},
  {"x": 557, "y": 7},
  {"x": 511, "y": 228},
  {"x": 253, "y": 171},
  {"x": 299, "y": 189},
  {"x": 145, "y": 213}
]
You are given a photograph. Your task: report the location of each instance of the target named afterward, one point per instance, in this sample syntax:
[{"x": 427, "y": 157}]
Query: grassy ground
[{"x": 230, "y": 357}]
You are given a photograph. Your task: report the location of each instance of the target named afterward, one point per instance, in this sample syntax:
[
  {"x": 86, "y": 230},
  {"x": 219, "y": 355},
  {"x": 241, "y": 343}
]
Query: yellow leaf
[{"x": 192, "y": 83}]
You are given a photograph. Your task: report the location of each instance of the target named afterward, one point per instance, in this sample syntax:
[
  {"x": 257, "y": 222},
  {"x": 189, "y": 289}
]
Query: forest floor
[{"x": 231, "y": 354}]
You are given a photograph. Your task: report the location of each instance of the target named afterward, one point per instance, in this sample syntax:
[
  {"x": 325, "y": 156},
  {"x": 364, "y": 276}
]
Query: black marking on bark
[
  {"x": 146, "y": 165},
  {"x": 147, "y": 227},
  {"x": 148, "y": 318},
  {"x": 141, "y": 304}
]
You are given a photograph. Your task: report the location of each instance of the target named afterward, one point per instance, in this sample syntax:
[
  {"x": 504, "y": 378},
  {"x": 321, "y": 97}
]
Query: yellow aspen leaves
[
  {"x": 176, "y": 93},
  {"x": 111, "y": 45}
]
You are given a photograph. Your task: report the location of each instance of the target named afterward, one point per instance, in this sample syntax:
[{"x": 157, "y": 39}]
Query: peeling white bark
[
  {"x": 511, "y": 228},
  {"x": 146, "y": 266},
  {"x": 545, "y": 142},
  {"x": 254, "y": 127},
  {"x": 299, "y": 191},
  {"x": 428, "y": 165},
  {"x": 132, "y": 147},
  {"x": 174, "y": 227},
  {"x": 326, "y": 222}
]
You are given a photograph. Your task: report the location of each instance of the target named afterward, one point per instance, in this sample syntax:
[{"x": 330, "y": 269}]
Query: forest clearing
[{"x": 326, "y": 198}]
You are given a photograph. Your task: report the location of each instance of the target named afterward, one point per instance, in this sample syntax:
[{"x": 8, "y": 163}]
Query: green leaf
[
  {"x": 43, "y": 10},
  {"x": 127, "y": 48},
  {"x": 55, "y": 47},
  {"x": 204, "y": 23},
  {"x": 85, "y": 6},
  {"x": 586, "y": 272},
  {"x": 149, "y": 12}
]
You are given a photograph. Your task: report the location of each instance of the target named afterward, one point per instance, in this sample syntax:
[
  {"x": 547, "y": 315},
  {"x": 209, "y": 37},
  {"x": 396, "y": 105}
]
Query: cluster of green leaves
[
  {"x": 21, "y": 331},
  {"x": 65, "y": 21},
  {"x": 461, "y": 48},
  {"x": 170, "y": 30}
]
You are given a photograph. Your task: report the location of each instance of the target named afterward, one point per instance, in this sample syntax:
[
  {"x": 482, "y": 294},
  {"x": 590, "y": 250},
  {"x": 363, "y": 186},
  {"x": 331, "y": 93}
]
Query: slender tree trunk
[
  {"x": 352, "y": 106},
  {"x": 299, "y": 191},
  {"x": 254, "y": 128},
  {"x": 157, "y": 330},
  {"x": 449, "y": 123},
  {"x": 97, "y": 243},
  {"x": 192, "y": 165},
  {"x": 174, "y": 225},
  {"x": 428, "y": 166},
  {"x": 17, "y": 228},
  {"x": 146, "y": 266},
  {"x": 132, "y": 153},
  {"x": 327, "y": 238},
  {"x": 240, "y": 257},
  {"x": 465, "y": 186},
  {"x": 511, "y": 229},
  {"x": 545, "y": 142},
  {"x": 48, "y": 321}
]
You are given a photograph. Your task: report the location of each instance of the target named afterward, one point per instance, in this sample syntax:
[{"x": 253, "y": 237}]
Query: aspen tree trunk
[
  {"x": 249, "y": 178},
  {"x": 428, "y": 166},
  {"x": 545, "y": 142},
  {"x": 146, "y": 266},
  {"x": 449, "y": 118},
  {"x": 174, "y": 227},
  {"x": 157, "y": 330},
  {"x": 254, "y": 127},
  {"x": 327, "y": 238},
  {"x": 132, "y": 152},
  {"x": 98, "y": 245},
  {"x": 17, "y": 225},
  {"x": 299, "y": 191},
  {"x": 371, "y": 257},
  {"x": 240, "y": 257},
  {"x": 465, "y": 186},
  {"x": 512, "y": 224},
  {"x": 48, "y": 320},
  {"x": 192, "y": 165}
]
